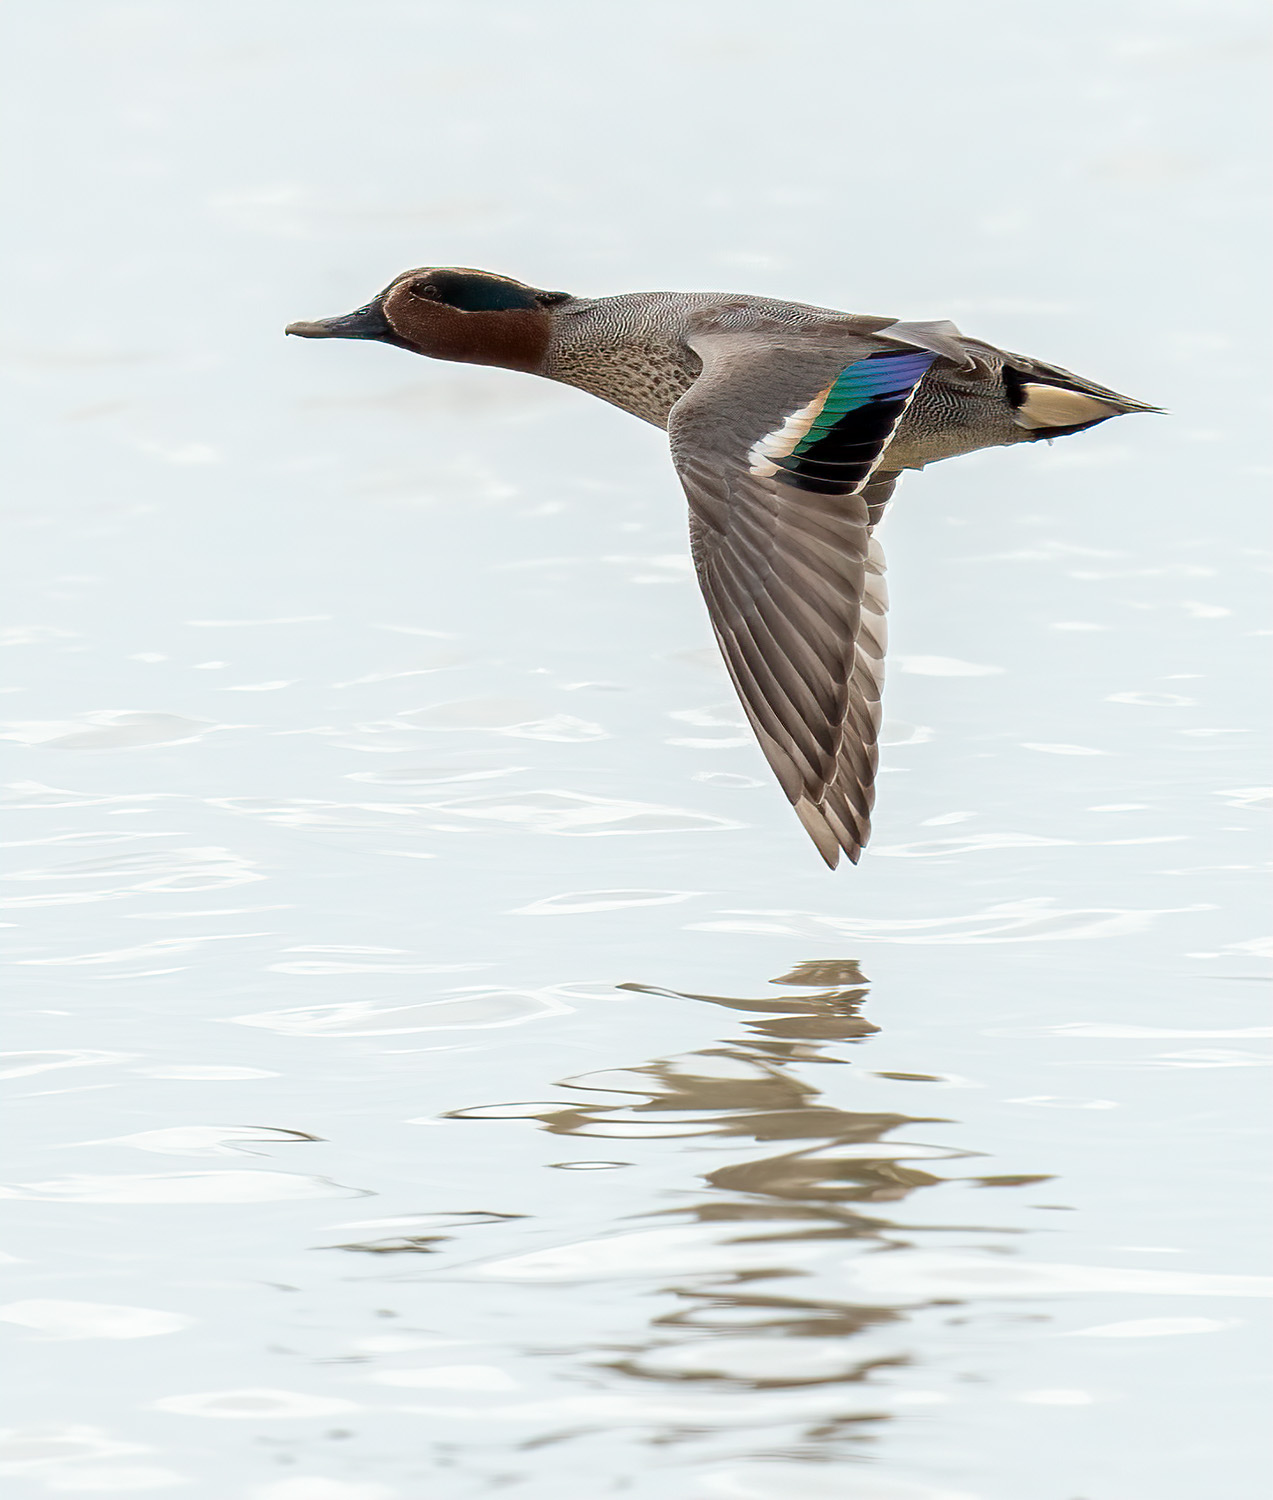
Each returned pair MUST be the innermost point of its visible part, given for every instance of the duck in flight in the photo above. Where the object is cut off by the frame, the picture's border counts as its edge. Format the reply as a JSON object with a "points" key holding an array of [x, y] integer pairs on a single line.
{"points": [[789, 427]]}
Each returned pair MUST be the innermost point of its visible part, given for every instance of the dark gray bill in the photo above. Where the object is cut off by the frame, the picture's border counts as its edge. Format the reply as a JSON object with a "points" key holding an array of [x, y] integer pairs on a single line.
{"points": [[367, 323]]}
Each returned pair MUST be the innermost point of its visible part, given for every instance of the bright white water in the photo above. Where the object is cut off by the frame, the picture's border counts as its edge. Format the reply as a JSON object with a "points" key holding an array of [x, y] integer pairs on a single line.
{"points": [[444, 1067]]}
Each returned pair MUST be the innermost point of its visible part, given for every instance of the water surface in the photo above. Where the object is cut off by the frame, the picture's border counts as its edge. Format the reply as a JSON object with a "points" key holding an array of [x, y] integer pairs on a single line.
{"points": [[444, 1066]]}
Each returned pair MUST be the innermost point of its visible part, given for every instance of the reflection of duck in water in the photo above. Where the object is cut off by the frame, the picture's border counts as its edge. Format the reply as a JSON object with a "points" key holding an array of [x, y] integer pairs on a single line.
{"points": [[766, 1218], [747, 1088], [789, 427], [722, 1306]]}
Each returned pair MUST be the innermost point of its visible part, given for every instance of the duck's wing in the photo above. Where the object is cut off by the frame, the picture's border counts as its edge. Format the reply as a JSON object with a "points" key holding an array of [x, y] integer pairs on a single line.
{"points": [[877, 494], [777, 444]]}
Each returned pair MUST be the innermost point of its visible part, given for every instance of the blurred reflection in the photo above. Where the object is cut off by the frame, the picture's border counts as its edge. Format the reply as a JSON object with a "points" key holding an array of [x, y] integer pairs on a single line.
{"points": [[831, 1174], [747, 1088], [719, 1305]]}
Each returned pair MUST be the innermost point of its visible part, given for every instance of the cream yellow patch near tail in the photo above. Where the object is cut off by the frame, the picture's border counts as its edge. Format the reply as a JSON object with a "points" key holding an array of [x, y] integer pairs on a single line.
{"points": [[1053, 406]]}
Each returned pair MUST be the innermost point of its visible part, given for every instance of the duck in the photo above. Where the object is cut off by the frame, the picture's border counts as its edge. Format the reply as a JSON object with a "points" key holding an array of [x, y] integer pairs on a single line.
{"points": [[789, 427]]}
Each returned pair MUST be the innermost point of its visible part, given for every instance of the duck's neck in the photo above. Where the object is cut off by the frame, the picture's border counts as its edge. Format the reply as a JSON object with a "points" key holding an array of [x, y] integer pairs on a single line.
{"points": [[629, 361]]}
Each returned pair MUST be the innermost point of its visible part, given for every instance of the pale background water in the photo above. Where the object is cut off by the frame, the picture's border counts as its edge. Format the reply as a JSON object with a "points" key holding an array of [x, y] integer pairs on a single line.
{"points": [[445, 1066]]}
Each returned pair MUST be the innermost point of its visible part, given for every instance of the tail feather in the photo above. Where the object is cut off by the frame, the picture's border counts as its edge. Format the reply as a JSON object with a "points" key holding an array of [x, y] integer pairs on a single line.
{"points": [[1051, 402]]}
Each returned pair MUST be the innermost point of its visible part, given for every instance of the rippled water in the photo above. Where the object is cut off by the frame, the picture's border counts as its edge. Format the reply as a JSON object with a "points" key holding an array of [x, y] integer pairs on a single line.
{"points": [[445, 1066]]}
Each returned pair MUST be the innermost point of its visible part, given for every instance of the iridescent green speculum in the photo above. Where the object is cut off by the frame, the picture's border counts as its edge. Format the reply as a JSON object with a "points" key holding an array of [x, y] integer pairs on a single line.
{"points": [[857, 417], [887, 377]]}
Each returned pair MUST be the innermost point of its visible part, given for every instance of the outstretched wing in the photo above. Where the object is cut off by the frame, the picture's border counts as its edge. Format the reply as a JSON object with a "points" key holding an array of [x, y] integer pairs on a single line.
{"points": [[777, 448]]}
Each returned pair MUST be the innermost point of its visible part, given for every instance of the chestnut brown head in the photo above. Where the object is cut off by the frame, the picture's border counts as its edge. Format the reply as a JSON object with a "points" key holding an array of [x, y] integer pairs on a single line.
{"points": [[450, 312]]}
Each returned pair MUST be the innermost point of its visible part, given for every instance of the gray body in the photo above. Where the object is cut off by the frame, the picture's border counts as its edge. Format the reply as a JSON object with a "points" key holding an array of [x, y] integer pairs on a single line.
{"points": [[634, 352]]}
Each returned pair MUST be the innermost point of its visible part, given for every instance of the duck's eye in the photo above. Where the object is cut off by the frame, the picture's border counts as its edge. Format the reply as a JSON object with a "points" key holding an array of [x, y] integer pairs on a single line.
{"points": [[425, 289]]}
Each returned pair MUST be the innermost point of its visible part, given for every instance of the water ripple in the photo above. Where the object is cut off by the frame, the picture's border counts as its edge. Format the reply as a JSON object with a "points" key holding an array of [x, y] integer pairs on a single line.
{"points": [[110, 731], [254, 1404], [188, 1187], [50, 1445], [575, 903], [926, 1275], [1036, 919], [22, 1064], [1152, 1328], [467, 1009], [92, 1320], [206, 869], [579, 815], [204, 1140], [511, 717]]}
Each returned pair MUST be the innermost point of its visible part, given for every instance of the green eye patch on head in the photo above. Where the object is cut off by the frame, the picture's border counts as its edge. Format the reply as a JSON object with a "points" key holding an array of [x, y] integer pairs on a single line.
{"points": [[470, 292]]}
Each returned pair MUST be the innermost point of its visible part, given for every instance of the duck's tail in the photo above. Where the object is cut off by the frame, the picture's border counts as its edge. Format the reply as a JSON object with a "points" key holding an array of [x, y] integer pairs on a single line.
{"points": [[1051, 402]]}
